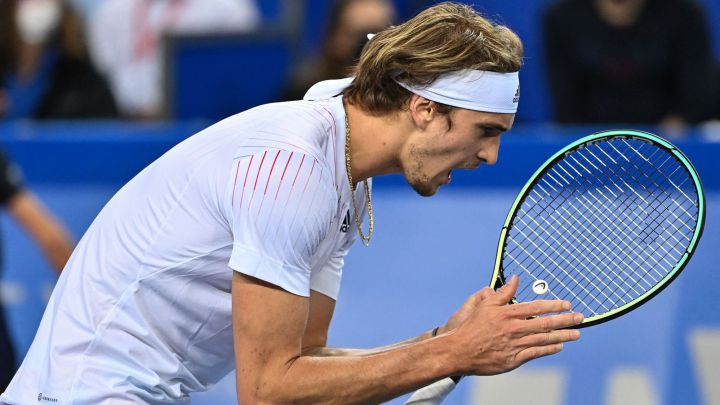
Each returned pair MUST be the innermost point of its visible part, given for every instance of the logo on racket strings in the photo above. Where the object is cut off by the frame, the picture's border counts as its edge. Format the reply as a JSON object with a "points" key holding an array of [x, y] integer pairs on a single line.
{"points": [[540, 286]]}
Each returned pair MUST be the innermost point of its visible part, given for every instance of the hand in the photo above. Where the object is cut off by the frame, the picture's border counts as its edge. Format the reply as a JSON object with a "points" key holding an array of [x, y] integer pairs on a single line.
{"points": [[464, 312], [496, 337]]}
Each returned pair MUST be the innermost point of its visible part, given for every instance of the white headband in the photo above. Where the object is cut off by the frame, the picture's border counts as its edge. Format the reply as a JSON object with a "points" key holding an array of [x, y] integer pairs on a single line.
{"points": [[470, 89], [476, 90]]}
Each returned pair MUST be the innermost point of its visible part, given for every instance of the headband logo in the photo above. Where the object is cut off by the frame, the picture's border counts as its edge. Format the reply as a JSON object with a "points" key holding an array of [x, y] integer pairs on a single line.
{"points": [[517, 95]]}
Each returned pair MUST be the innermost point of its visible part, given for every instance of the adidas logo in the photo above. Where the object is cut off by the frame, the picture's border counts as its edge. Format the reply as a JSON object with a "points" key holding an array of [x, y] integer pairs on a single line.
{"points": [[517, 95], [346, 222]]}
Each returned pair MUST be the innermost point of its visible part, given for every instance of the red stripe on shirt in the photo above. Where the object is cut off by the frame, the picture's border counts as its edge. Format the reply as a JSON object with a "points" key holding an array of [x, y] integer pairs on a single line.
{"points": [[271, 170], [232, 200], [245, 182], [298, 170], [257, 176], [283, 174], [267, 183], [309, 175]]}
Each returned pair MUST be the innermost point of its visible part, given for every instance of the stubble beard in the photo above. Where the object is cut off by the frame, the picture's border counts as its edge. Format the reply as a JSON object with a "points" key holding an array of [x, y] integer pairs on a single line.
{"points": [[415, 176]]}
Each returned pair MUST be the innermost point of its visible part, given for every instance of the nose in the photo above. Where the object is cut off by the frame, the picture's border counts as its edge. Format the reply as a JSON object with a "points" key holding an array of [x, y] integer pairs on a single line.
{"points": [[489, 152]]}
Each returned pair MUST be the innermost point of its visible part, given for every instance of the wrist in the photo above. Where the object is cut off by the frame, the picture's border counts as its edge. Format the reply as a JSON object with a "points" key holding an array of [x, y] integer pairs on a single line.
{"points": [[451, 363]]}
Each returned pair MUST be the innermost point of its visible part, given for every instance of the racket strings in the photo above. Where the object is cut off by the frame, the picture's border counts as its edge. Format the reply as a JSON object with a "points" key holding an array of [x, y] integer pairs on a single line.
{"points": [[584, 261], [660, 218], [667, 178], [585, 266], [550, 234], [562, 279], [646, 202], [570, 252], [608, 208], [543, 262], [641, 196], [625, 236]]}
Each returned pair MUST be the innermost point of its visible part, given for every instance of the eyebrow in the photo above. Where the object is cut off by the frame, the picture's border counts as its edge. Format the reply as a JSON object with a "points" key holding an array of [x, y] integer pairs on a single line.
{"points": [[497, 127]]}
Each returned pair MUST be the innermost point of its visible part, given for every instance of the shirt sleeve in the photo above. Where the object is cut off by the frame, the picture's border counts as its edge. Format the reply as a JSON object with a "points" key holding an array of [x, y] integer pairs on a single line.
{"points": [[327, 278], [281, 205], [10, 179]]}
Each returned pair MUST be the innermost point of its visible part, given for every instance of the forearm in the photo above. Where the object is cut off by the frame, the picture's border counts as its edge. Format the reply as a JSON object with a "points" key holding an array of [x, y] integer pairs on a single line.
{"points": [[341, 351], [344, 378], [57, 247], [274, 366], [50, 236]]}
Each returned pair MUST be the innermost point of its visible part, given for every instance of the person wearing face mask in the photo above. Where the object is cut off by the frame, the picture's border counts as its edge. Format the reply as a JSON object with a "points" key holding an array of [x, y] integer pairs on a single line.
{"points": [[349, 22], [44, 69], [126, 42]]}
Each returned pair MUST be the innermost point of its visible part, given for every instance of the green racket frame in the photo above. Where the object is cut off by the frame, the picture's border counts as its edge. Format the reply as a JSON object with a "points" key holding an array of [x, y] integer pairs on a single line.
{"points": [[498, 278]]}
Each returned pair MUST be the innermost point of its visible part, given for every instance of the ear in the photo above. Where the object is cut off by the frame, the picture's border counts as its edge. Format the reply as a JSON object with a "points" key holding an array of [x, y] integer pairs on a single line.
{"points": [[422, 111]]}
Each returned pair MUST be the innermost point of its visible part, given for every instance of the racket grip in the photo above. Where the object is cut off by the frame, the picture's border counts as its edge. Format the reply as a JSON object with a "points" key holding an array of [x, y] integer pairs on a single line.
{"points": [[434, 393]]}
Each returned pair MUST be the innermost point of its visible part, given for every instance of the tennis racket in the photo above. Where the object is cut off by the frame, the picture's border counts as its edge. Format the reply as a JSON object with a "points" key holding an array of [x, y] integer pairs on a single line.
{"points": [[606, 223]]}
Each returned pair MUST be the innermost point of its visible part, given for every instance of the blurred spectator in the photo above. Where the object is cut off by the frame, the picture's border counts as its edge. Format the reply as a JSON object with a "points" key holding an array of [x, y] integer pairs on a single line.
{"points": [[44, 69], [349, 23], [44, 229], [125, 41], [85, 7], [629, 61]]}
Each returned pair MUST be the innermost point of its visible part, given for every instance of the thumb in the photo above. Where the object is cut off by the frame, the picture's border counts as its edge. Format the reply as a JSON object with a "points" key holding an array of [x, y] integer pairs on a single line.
{"points": [[506, 292], [479, 297], [485, 293]]}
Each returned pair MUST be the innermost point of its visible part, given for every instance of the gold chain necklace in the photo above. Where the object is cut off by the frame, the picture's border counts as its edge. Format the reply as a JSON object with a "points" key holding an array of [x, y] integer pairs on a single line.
{"points": [[365, 238]]}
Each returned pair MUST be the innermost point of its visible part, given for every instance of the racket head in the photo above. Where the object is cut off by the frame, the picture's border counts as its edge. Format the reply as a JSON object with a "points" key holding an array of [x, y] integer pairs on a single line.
{"points": [[586, 197]]}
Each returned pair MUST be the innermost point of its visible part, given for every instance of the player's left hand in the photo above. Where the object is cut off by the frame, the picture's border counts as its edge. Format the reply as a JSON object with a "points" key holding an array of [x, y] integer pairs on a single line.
{"points": [[467, 308]]}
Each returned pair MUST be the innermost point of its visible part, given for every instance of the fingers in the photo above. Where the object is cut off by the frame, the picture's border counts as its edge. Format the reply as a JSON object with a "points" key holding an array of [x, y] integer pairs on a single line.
{"points": [[549, 342], [505, 293], [539, 307], [485, 293], [537, 351], [551, 322], [549, 338], [480, 296]]}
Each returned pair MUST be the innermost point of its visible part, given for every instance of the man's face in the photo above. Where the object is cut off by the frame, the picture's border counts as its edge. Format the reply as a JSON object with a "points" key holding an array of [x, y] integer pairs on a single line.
{"points": [[432, 153]]}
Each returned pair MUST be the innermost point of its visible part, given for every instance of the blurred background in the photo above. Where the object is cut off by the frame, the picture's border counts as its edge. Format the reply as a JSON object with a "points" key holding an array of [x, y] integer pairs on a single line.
{"points": [[91, 91]]}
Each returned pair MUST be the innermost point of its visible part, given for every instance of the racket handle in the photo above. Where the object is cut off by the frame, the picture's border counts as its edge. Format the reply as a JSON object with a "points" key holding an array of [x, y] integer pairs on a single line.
{"points": [[434, 393]]}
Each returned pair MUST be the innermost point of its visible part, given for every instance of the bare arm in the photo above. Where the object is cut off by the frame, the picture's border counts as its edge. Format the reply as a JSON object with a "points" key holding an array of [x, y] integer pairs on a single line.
{"points": [[42, 227], [270, 324], [321, 350]]}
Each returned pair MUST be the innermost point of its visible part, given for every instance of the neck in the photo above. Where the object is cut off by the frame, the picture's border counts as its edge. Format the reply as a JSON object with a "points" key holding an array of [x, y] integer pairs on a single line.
{"points": [[375, 141]]}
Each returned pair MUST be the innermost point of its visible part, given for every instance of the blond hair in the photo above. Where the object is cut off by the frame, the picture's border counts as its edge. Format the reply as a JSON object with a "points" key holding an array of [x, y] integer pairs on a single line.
{"points": [[441, 39]]}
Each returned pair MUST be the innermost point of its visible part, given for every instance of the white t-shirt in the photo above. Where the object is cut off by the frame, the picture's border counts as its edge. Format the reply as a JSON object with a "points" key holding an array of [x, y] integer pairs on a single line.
{"points": [[142, 312]]}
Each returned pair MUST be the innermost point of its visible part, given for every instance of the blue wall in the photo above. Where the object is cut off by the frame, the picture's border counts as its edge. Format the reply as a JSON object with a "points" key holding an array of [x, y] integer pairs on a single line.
{"points": [[428, 255]]}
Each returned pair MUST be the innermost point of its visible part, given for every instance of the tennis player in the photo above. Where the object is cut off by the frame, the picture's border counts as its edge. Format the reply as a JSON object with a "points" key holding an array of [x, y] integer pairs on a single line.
{"points": [[233, 241]]}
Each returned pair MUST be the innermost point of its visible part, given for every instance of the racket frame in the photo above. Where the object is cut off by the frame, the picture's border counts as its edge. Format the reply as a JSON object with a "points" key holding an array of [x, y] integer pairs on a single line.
{"points": [[498, 278]]}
